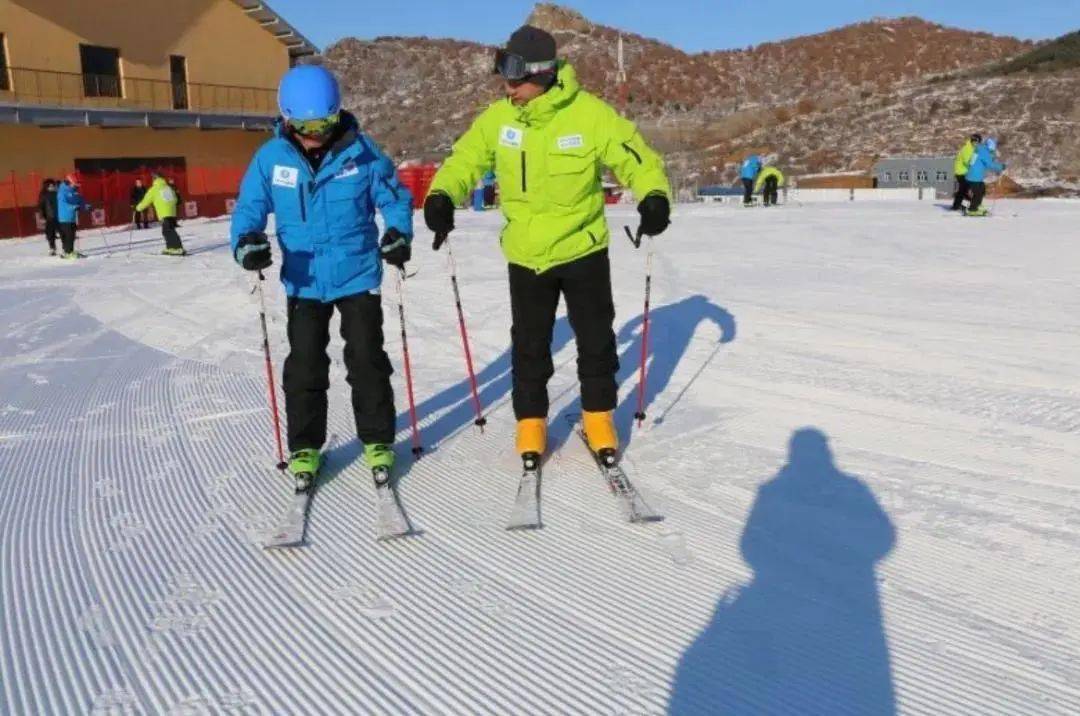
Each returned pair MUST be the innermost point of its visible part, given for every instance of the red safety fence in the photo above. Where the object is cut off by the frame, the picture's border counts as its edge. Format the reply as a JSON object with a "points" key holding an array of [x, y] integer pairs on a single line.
{"points": [[204, 191]]}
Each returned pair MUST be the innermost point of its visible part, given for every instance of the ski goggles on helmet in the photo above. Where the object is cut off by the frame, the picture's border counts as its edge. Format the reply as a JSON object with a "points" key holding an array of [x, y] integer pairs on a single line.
{"points": [[515, 68], [315, 127]]}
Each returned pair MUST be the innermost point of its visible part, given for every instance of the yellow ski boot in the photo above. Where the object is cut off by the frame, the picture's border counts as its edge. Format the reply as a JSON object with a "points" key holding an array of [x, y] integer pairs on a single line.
{"points": [[601, 435], [531, 440]]}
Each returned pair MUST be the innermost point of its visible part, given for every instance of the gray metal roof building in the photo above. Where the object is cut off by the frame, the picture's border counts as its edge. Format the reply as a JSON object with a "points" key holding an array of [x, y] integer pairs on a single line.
{"points": [[933, 172]]}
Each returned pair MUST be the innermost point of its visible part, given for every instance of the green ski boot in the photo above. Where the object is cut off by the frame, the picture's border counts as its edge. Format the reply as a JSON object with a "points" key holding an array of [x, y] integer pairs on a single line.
{"points": [[380, 458], [304, 466], [174, 252]]}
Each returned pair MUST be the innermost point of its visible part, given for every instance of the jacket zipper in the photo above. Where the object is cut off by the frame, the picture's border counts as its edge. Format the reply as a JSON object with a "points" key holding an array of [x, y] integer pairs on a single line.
{"points": [[523, 184], [627, 147], [303, 209]]}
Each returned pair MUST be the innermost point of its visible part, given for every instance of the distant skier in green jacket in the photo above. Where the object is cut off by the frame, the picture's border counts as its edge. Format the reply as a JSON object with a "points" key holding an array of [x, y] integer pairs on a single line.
{"points": [[960, 169], [547, 143], [164, 200], [769, 181]]}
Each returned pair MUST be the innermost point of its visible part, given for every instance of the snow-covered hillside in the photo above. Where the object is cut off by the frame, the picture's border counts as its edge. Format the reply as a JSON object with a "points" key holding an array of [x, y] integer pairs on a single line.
{"points": [[863, 432]]}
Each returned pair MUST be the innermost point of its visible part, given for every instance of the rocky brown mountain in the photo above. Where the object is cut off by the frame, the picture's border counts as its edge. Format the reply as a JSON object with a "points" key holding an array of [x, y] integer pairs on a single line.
{"points": [[830, 102]]}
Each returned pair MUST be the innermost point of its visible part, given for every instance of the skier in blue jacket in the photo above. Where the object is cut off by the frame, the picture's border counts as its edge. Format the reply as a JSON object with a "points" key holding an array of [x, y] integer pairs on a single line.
{"points": [[750, 168], [323, 179], [982, 161], [68, 203]]}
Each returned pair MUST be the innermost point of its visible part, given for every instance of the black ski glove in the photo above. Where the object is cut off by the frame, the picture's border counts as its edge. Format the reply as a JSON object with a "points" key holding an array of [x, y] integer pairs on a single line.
{"points": [[655, 214], [395, 248], [253, 252], [439, 217]]}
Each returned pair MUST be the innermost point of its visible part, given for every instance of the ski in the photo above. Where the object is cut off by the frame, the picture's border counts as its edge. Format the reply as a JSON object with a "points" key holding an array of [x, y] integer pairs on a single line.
{"points": [[390, 520], [633, 505], [290, 530], [526, 512]]}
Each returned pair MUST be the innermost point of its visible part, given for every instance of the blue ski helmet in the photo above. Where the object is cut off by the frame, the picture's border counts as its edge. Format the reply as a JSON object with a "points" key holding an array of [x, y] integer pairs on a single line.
{"points": [[991, 144], [308, 92]]}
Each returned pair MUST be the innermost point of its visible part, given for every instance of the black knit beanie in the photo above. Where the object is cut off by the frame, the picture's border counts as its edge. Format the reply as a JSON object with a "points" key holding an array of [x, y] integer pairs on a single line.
{"points": [[532, 44]]}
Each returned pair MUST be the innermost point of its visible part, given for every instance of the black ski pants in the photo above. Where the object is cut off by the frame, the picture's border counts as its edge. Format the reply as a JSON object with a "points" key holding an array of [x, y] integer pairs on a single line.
{"points": [[978, 192], [771, 193], [168, 231], [748, 191], [142, 218], [67, 237], [534, 298], [307, 369], [962, 189], [51, 227]]}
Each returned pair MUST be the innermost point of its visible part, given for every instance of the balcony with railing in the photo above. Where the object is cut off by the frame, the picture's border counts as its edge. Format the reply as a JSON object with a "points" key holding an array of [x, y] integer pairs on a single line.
{"points": [[47, 88]]}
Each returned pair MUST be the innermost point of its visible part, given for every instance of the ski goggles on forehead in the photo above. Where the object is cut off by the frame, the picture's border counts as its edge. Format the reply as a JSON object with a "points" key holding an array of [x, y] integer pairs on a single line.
{"points": [[514, 67], [315, 127]]}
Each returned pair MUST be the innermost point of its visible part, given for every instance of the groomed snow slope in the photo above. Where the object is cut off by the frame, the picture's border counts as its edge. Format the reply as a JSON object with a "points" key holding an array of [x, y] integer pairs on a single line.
{"points": [[863, 430]]}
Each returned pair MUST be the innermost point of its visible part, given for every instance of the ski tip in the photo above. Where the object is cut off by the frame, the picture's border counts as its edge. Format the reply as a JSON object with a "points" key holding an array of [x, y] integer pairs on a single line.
{"points": [[529, 527], [283, 542]]}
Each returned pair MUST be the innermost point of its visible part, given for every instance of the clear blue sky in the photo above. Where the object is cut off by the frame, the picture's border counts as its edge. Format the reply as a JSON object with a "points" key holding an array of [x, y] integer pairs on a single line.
{"points": [[692, 25]]}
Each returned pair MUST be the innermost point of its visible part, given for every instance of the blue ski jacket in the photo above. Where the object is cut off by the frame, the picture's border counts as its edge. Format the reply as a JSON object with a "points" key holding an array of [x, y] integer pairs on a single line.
{"points": [[325, 219], [68, 203], [982, 161], [751, 166]]}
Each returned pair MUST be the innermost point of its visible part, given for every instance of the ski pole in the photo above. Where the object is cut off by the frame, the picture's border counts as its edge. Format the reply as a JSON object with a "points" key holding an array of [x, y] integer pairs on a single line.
{"points": [[639, 416], [108, 249], [998, 189], [281, 465], [480, 421], [131, 232], [417, 448]]}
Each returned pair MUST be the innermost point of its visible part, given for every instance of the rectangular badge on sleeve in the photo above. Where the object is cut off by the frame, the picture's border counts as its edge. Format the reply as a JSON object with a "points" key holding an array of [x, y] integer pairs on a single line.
{"points": [[286, 176], [511, 136], [572, 141]]}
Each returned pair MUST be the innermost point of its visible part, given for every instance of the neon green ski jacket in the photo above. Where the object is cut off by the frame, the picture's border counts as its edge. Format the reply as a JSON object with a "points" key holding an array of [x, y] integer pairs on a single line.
{"points": [[548, 156], [963, 158], [765, 174], [162, 196]]}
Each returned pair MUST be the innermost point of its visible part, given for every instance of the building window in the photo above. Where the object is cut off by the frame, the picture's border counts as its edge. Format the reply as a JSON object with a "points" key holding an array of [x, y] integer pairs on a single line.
{"points": [[5, 81], [178, 75], [888, 176], [923, 176], [905, 176], [942, 176], [100, 71]]}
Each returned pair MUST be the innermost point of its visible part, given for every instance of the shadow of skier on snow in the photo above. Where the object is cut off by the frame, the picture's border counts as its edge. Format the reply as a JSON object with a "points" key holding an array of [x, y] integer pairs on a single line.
{"points": [[671, 331], [806, 634]]}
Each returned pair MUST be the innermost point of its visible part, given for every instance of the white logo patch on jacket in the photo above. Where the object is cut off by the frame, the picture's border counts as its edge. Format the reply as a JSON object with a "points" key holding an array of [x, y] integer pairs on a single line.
{"points": [[511, 136], [572, 141], [286, 176]]}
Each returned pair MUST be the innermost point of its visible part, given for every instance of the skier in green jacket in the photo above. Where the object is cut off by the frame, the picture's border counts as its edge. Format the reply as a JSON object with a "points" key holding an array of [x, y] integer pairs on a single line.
{"points": [[960, 169], [164, 200], [547, 142]]}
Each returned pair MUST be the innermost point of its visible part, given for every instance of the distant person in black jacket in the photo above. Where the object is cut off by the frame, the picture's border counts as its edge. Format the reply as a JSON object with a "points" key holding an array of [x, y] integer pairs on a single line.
{"points": [[141, 217], [47, 207]]}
